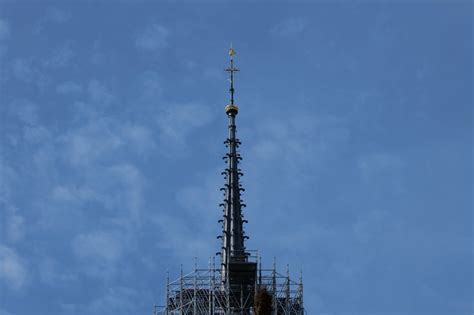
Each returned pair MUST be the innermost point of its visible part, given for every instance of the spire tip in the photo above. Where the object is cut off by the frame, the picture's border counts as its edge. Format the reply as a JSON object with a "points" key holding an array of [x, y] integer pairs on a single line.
{"points": [[231, 51], [231, 108]]}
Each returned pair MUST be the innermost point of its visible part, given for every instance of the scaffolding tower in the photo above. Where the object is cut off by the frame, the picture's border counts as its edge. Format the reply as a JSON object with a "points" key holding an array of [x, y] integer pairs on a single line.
{"points": [[200, 292]]}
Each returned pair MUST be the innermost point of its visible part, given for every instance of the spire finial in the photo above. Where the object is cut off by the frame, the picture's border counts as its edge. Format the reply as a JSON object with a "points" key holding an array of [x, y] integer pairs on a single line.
{"points": [[231, 108], [231, 51]]}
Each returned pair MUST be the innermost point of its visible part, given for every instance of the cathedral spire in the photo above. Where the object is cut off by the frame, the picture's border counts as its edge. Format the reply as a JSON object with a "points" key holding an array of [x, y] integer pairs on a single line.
{"points": [[233, 248], [232, 287]]}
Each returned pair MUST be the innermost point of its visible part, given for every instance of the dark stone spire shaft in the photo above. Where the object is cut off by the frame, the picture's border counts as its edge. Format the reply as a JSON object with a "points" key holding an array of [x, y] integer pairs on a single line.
{"points": [[233, 248]]}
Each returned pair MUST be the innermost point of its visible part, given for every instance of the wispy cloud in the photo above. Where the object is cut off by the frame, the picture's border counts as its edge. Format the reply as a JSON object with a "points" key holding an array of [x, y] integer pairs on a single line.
{"points": [[382, 169], [57, 15], [14, 225], [99, 93], [61, 56], [91, 142], [98, 246], [27, 70], [13, 270], [176, 123], [375, 163], [150, 87], [4, 29], [69, 87], [4, 312], [52, 273], [53, 15], [116, 300], [9, 177], [177, 237], [25, 110], [73, 194], [289, 27], [153, 38], [293, 142]]}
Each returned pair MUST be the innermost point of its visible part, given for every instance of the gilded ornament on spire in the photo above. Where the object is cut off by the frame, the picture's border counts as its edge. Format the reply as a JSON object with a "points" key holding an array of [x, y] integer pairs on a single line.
{"points": [[231, 51]]}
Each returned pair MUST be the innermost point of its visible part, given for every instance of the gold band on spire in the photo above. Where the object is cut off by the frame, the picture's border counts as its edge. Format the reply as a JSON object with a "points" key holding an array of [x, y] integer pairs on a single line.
{"points": [[231, 108]]}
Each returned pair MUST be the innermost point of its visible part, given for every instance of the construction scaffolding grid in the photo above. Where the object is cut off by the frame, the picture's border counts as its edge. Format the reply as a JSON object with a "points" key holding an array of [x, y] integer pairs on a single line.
{"points": [[203, 292]]}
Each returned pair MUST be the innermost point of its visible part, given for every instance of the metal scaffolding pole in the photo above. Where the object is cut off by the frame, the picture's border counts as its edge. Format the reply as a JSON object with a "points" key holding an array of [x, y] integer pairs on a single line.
{"points": [[287, 290], [213, 285], [274, 288], [300, 287], [167, 293], [181, 287], [195, 288], [241, 300], [211, 288]]}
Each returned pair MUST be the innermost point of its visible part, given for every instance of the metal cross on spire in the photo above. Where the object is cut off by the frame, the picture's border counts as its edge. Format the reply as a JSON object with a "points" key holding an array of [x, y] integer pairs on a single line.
{"points": [[231, 70]]}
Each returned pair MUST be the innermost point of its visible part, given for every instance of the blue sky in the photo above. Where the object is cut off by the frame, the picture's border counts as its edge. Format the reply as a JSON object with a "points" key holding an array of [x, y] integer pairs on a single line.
{"points": [[356, 123]]}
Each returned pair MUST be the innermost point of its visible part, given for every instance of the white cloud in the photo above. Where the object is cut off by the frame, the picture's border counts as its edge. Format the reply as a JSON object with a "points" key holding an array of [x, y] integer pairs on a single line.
{"points": [[23, 70], [69, 87], [51, 272], [8, 177], [117, 300], [3, 51], [12, 268], [4, 312], [267, 149], [61, 56], [199, 203], [131, 182], [371, 164], [98, 246], [25, 115], [154, 38], [140, 137], [150, 86], [204, 196], [57, 15], [178, 121], [4, 29], [299, 139], [27, 71], [382, 169], [116, 192], [99, 93], [52, 15], [179, 238], [289, 27], [371, 225], [73, 194], [101, 138], [25, 110], [91, 142], [14, 225], [36, 134], [100, 252]]}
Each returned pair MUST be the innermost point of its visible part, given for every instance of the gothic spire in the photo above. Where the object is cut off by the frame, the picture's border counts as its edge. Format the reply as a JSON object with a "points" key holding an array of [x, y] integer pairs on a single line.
{"points": [[233, 248]]}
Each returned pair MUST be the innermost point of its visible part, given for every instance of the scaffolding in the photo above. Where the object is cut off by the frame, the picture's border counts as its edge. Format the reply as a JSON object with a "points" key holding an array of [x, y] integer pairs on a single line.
{"points": [[204, 292]]}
